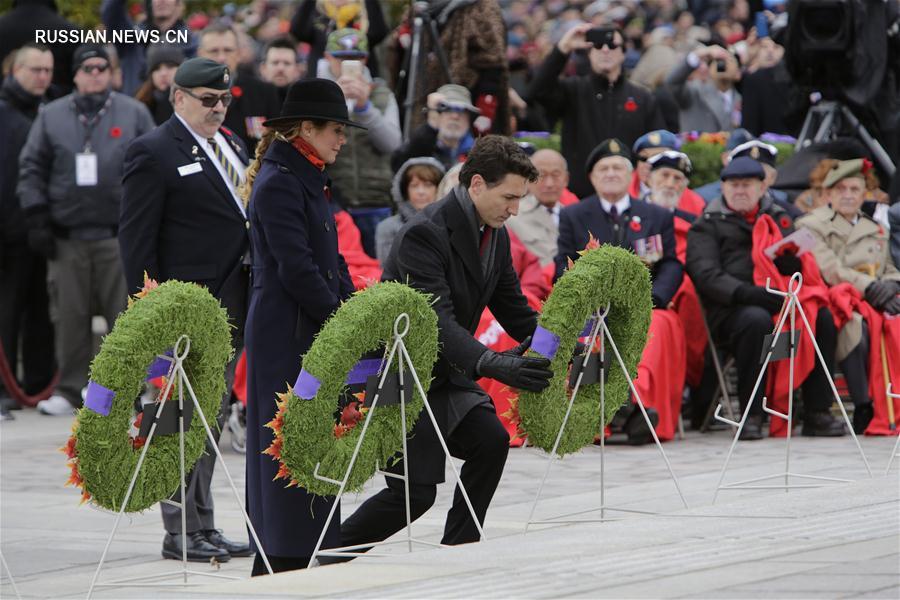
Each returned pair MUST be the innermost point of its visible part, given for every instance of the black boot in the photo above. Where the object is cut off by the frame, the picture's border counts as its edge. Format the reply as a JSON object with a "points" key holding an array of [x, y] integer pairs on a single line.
{"points": [[752, 429], [862, 416], [822, 424], [636, 427]]}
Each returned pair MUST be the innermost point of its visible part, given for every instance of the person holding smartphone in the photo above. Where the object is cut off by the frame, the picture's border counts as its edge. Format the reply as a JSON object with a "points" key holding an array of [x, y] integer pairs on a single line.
{"points": [[710, 101], [362, 176], [600, 105]]}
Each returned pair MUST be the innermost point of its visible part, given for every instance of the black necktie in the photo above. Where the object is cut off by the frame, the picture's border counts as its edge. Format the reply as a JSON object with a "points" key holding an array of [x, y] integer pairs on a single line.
{"points": [[614, 214]]}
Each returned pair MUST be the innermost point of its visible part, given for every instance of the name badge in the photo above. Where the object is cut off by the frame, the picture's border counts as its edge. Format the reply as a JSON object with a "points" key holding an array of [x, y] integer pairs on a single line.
{"points": [[189, 169], [85, 169]]}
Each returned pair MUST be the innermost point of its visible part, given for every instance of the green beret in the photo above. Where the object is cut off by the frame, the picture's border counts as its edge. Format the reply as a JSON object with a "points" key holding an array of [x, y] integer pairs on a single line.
{"points": [[203, 72], [606, 148], [844, 169]]}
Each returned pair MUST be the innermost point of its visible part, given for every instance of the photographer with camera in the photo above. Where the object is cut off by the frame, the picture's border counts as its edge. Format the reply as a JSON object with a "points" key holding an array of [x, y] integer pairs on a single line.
{"points": [[709, 102], [600, 105], [447, 135]]}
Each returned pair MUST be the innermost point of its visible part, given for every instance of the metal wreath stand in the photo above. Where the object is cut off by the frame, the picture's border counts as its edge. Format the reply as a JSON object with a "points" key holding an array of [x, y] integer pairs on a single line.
{"points": [[398, 350], [788, 310], [599, 319], [176, 373], [896, 451]]}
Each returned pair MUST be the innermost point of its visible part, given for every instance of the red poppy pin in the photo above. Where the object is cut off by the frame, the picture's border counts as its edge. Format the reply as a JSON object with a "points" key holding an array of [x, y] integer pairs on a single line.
{"points": [[635, 224], [866, 166], [631, 105], [237, 91], [115, 132], [784, 222]]}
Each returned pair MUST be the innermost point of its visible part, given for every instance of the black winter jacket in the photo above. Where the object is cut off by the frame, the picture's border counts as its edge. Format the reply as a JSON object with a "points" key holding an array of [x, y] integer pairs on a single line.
{"points": [[593, 109], [719, 257]]}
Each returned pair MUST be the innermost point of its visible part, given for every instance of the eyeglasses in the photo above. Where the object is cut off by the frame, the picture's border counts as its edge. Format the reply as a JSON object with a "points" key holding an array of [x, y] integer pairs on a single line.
{"points": [[446, 108], [90, 69], [611, 45], [210, 100]]}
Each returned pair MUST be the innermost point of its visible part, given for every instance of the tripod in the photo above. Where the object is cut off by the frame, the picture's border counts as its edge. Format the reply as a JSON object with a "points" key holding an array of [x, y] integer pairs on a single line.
{"points": [[422, 22], [824, 122]]}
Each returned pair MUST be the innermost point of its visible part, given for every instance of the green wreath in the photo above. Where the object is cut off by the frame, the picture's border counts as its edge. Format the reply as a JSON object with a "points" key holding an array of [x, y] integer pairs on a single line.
{"points": [[607, 274], [306, 433], [102, 454]]}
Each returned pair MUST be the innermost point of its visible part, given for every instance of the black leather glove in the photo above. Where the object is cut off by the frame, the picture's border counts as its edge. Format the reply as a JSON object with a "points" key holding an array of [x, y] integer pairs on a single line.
{"points": [[40, 235], [880, 292], [892, 306], [756, 295], [788, 264], [530, 373]]}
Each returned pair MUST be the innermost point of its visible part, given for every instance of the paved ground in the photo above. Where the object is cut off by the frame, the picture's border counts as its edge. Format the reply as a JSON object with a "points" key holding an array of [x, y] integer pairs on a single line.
{"points": [[839, 541]]}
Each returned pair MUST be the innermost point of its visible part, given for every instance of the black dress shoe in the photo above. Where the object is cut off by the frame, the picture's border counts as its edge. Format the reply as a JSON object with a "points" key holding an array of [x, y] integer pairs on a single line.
{"points": [[636, 427], [822, 425], [215, 537], [752, 429], [862, 416], [198, 548]]}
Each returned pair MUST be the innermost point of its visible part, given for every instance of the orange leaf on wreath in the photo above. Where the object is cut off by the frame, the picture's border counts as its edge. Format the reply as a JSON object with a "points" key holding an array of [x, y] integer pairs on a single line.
{"points": [[69, 448], [282, 472]]}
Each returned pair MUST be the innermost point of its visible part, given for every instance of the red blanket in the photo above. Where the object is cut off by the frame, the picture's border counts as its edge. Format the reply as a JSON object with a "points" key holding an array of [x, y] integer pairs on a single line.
{"points": [[661, 371], [813, 295], [364, 270], [846, 300], [686, 303]]}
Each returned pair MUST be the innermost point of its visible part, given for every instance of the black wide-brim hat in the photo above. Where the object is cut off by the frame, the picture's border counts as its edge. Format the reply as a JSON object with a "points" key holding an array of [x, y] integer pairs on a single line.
{"points": [[314, 99]]}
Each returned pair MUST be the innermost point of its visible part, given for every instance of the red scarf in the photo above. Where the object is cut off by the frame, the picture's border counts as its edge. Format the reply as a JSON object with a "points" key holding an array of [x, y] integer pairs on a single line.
{"points": [[308, 152], [845, 300], [813, 295]]}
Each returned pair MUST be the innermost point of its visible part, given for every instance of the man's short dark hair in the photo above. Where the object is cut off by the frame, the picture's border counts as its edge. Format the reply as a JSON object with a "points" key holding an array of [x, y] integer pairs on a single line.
{"points": [[285, 42], [218, 27], [494, 157]]}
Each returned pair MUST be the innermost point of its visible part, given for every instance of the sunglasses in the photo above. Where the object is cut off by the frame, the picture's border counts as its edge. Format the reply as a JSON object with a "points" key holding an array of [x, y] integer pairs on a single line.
{"points": [[210, 100], [611, 45], [445, 108], [89, 69]]}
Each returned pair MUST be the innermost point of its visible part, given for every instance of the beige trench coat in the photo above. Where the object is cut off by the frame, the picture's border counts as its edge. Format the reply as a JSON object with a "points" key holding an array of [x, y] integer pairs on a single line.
{"points": [[853, 253]]}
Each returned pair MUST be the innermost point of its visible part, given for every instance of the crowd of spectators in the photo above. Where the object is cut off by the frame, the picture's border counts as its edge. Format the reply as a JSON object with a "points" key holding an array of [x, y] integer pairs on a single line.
{"points": [[620, 84]]}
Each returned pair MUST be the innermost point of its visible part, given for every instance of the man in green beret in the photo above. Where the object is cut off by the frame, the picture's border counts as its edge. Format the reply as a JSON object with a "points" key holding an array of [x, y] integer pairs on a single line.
{"points": [[182, 218]]}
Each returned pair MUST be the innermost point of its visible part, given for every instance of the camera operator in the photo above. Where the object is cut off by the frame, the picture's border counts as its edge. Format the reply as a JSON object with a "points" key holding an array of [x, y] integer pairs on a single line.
{"points": [[707, 103], [600, 105]]}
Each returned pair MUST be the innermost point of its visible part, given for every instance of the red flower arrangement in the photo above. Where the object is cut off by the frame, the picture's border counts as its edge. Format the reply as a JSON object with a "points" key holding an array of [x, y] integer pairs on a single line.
{"points": [[630, 105], [237, 91], [115, 132]]}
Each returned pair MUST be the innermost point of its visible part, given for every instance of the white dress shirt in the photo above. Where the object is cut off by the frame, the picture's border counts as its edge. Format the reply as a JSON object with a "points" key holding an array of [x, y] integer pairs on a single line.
{"points": [[229, 153]]}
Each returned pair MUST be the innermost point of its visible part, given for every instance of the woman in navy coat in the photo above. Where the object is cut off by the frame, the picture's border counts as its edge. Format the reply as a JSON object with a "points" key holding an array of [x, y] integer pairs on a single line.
{"points": [[299, 279]]}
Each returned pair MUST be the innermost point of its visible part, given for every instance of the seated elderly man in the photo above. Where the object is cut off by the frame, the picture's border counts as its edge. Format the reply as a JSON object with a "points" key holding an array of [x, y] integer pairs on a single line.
{"points": [[852, 248], [668, 179], [613, 217], [537, 223], [646, 147], [740, 312]]}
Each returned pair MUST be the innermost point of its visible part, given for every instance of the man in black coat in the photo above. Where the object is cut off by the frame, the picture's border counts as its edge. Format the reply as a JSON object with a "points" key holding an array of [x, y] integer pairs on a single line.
{"points": [[611, 216], [182, 218], [597, 106], [254, 99], [457, 249], [20, 25], [739, 312], [24, 302]]}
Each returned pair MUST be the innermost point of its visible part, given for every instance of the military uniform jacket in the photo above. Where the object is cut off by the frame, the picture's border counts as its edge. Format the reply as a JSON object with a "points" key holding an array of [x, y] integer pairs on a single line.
{"points": [[186, 227], [578, 222], [846, 252]]}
